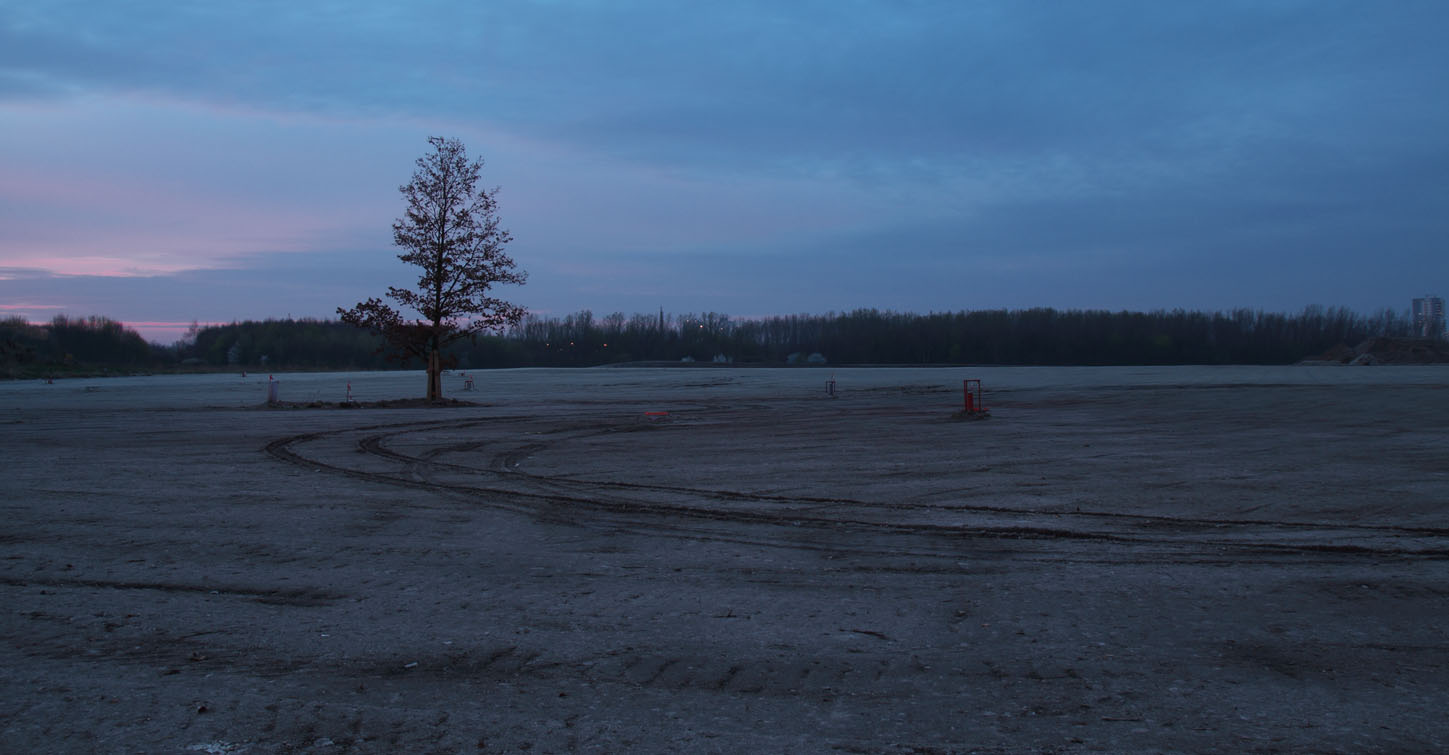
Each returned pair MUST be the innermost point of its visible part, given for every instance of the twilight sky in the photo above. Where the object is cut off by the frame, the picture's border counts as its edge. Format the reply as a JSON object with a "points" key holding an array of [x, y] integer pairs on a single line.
{"points": [[165, 162]]}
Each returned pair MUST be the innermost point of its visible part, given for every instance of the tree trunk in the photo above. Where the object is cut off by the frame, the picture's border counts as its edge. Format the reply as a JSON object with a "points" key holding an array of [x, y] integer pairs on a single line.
{"points": [[435, 376]]}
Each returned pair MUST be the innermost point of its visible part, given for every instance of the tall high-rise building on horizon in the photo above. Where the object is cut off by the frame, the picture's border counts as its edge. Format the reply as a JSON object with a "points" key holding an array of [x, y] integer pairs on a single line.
{"points": [[1428, 314]]}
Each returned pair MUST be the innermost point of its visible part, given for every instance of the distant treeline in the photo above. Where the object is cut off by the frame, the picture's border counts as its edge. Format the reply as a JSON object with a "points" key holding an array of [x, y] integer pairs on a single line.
{"points": [[71, 344], [867, 336]]}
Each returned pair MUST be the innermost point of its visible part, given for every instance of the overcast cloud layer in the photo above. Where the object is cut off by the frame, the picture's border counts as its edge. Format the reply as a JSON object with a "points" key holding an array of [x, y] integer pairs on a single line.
{"points": [[240, 160]]}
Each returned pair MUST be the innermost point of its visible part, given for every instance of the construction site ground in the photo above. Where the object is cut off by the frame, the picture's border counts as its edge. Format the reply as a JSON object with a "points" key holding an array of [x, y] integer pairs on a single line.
{"points": [[1234, 559]]}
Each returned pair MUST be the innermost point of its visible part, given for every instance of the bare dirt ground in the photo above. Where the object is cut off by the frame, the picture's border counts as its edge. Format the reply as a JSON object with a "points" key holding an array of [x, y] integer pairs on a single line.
{"points": [[1172, 559]]}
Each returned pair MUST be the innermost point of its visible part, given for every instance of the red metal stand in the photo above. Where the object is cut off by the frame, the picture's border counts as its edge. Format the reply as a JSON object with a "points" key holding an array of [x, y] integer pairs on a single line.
{"points": [[971, 391]]}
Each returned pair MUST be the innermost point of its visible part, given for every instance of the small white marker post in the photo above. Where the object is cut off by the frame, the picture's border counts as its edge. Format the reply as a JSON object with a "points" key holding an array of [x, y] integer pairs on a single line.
{"points": [[272, 389]]}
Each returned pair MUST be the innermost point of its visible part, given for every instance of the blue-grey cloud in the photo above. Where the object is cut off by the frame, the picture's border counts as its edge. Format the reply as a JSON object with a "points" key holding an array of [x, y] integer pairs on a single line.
{"points": [[765, 83], [1002, 153]]}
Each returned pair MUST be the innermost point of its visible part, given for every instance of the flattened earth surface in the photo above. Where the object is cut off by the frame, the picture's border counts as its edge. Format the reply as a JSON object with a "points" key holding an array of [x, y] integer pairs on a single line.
{"points": [[729, 560]]}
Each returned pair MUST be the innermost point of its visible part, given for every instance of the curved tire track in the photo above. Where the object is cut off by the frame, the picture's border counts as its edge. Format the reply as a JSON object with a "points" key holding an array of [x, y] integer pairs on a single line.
{"points": [[638, 506]]}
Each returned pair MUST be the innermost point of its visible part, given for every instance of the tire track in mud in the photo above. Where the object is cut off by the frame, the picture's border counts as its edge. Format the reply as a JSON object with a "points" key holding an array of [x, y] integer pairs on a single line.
{"points": [[507, 461], [776, 673], [775, 518], [273, 595]]}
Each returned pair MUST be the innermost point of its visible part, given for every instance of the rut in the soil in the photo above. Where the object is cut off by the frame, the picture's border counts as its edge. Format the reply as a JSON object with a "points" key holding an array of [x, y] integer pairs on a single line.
{"points": [[501, 483]]}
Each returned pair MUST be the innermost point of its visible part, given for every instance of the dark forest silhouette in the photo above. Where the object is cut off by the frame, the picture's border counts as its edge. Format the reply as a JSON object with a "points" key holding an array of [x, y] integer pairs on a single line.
{"points": [[1018, 337]]}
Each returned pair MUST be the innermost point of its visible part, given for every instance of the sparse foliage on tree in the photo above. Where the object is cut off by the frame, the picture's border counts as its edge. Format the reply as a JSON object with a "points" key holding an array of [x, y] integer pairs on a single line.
{"points": [[451, 232]]}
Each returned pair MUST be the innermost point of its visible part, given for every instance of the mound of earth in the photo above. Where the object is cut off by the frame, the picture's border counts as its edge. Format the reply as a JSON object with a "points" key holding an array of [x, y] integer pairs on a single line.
{"points": [[1385, 350]]}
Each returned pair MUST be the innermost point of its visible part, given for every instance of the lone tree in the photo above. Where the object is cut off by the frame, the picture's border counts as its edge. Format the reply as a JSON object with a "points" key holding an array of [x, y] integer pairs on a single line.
{"points": [[451, 232]]}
